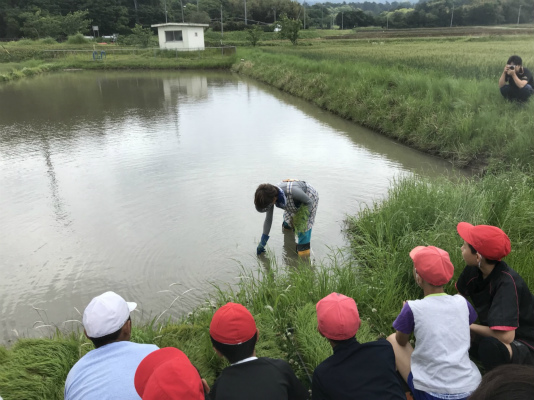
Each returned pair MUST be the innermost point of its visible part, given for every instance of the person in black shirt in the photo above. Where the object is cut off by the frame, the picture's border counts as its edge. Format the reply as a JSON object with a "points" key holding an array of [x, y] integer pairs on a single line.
{"points": [[355, 370], [502, 299], [516, 82], [233, 335]]}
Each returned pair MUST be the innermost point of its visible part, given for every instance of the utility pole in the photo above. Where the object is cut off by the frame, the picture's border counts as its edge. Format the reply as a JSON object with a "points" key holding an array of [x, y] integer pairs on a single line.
{"points": [[274, 9], [519, 14], [165, 5], [222, 30], [342, 19], [452, 14], [136, 16], [245, 12], [303, 6], [321, 16], [197, 5], [182, 7]]}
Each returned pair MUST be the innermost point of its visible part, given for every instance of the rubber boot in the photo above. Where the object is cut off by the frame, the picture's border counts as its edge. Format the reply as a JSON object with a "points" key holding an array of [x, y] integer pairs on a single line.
{"points": [[285, 225], [303, 250]]}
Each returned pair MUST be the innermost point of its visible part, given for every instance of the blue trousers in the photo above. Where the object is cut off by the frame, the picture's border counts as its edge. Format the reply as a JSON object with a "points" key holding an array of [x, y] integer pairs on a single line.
{"points": [[513, 93]]}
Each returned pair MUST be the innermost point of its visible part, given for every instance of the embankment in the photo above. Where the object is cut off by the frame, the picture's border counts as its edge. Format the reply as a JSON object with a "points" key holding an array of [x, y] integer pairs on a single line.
{"points": [[459, 118]]}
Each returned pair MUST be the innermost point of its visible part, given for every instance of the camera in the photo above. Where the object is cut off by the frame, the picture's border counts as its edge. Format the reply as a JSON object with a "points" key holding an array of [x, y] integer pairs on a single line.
{"points": [[511, 67]]}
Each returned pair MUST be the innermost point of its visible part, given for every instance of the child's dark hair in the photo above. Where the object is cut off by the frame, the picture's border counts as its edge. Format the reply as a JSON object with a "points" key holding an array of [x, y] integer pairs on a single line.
{"points": [[473, 251], [236, 352], [336, 342], [110, 338], [263, 198], [516, 60], [507, 382]]}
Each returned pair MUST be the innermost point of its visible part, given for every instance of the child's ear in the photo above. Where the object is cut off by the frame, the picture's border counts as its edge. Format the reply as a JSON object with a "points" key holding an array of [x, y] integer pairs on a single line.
{"points": [[257, 335], [418, 279]]}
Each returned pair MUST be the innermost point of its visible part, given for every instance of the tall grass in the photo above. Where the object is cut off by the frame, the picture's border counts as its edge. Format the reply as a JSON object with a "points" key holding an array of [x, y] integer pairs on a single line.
{"points": [[461, 119], [377, 274]]}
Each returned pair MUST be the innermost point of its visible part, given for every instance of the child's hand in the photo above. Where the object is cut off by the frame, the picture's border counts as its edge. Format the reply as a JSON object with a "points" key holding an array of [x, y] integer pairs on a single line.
{"points": [[404, 303]]}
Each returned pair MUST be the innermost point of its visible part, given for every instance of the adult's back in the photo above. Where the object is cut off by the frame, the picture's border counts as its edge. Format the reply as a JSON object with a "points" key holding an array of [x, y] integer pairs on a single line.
{"points": [[107, 372]]}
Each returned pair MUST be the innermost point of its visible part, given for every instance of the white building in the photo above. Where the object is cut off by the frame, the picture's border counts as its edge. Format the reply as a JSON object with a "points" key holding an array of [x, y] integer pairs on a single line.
{"points": [[181, 36]]}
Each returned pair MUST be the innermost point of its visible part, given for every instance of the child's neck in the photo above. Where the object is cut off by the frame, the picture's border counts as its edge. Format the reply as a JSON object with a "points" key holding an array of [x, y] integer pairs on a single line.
{"points": [[486, 269], [428, 289]]}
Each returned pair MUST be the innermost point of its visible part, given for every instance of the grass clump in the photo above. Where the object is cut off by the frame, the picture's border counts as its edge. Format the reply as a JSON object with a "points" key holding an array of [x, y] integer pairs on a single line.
{"points": [[48, 41], [77, 39], [36, 369]]}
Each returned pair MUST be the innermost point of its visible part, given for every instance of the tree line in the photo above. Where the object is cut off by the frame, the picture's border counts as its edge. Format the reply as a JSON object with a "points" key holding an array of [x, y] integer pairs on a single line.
{"points": [[60, 18]]}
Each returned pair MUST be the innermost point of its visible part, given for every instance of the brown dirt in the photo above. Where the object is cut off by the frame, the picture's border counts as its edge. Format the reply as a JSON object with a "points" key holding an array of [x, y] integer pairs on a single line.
{"points": [[433, 32]]}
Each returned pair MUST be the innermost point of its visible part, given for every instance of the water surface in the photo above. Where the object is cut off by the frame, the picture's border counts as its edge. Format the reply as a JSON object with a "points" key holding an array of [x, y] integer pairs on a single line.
{"points": [[143, 183]]}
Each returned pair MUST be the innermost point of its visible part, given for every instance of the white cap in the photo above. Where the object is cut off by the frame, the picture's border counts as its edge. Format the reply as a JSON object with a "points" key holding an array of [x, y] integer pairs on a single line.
{"points": [[106, 314]]}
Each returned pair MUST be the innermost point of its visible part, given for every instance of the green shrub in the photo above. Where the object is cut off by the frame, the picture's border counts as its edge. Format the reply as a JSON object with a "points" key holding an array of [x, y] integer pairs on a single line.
{"points": [[77, 39], [26, 42], [48, 40]]}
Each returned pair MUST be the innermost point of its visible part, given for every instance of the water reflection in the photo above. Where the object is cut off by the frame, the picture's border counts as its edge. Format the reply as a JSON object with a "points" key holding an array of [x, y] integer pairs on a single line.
{"points": [[142, 183]]}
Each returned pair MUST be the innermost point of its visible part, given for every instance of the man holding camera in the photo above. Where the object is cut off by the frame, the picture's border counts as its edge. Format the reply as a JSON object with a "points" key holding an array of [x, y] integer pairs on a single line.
{"points": [[516, 82]]}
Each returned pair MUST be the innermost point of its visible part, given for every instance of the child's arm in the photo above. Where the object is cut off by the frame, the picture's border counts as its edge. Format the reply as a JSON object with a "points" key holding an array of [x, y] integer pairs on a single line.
{"points": [[505, 337], [404, 325], [402, 338]]}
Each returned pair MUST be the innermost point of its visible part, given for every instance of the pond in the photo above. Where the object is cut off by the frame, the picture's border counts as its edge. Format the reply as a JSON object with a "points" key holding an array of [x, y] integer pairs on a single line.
{"points": [[143, 183]]}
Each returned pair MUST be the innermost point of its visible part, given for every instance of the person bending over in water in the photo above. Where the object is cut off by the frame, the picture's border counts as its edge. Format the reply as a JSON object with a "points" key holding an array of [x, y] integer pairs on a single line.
{"points": [[289, 195]]}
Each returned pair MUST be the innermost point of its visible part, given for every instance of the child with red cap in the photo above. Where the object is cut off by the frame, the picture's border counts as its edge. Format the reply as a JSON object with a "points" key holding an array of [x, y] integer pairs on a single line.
{"points": [[355, 370], [168, 374], [439, 367], [501, 297], [234, 334]]}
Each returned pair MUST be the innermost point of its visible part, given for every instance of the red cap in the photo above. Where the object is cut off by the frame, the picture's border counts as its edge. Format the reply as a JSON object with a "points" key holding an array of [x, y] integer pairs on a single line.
{"points": [[432, 264], [167, 374], [489, 241], [232, 324], [337, 317]]}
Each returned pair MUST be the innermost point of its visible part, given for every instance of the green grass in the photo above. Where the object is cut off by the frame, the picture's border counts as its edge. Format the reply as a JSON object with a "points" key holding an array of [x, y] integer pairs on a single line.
{"points": [[131, 59], [438, 96]]}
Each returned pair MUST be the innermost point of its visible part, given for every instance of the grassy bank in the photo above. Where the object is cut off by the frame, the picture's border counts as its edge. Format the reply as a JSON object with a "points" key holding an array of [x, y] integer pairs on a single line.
{"points": [[439, 96], [377, 274], [26, 65]]}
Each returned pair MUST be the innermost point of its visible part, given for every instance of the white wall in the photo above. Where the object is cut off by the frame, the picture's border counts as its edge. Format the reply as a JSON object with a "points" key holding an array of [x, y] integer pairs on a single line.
{"points": [[193, 38]]}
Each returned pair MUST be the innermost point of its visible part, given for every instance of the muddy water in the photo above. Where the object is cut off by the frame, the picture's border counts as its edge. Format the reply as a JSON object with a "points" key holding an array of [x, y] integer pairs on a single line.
{"points": [[143, 183]]}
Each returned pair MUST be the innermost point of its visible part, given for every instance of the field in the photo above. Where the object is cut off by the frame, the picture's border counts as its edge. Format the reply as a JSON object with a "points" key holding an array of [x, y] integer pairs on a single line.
{"points": [[436, 94]]}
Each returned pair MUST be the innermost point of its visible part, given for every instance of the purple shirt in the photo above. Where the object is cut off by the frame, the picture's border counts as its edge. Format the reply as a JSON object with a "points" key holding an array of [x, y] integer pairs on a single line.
{"points": [[405, 321]]}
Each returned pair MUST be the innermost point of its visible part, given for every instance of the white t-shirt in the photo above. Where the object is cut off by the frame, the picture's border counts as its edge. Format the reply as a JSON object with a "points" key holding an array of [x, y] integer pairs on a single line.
{"points": [[107, 373], [440, 362]]}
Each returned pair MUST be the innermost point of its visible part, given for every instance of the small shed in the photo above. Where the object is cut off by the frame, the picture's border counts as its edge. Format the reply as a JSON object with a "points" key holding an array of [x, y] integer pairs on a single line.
{"points": [[181, 36]]}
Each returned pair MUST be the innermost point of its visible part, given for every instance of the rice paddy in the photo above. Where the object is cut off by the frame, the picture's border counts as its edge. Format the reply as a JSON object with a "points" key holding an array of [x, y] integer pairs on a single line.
{"points": [[440, 96]]}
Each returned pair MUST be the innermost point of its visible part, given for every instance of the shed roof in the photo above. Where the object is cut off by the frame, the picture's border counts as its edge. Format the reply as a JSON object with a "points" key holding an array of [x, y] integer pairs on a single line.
{"points": [[181, 24]]}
